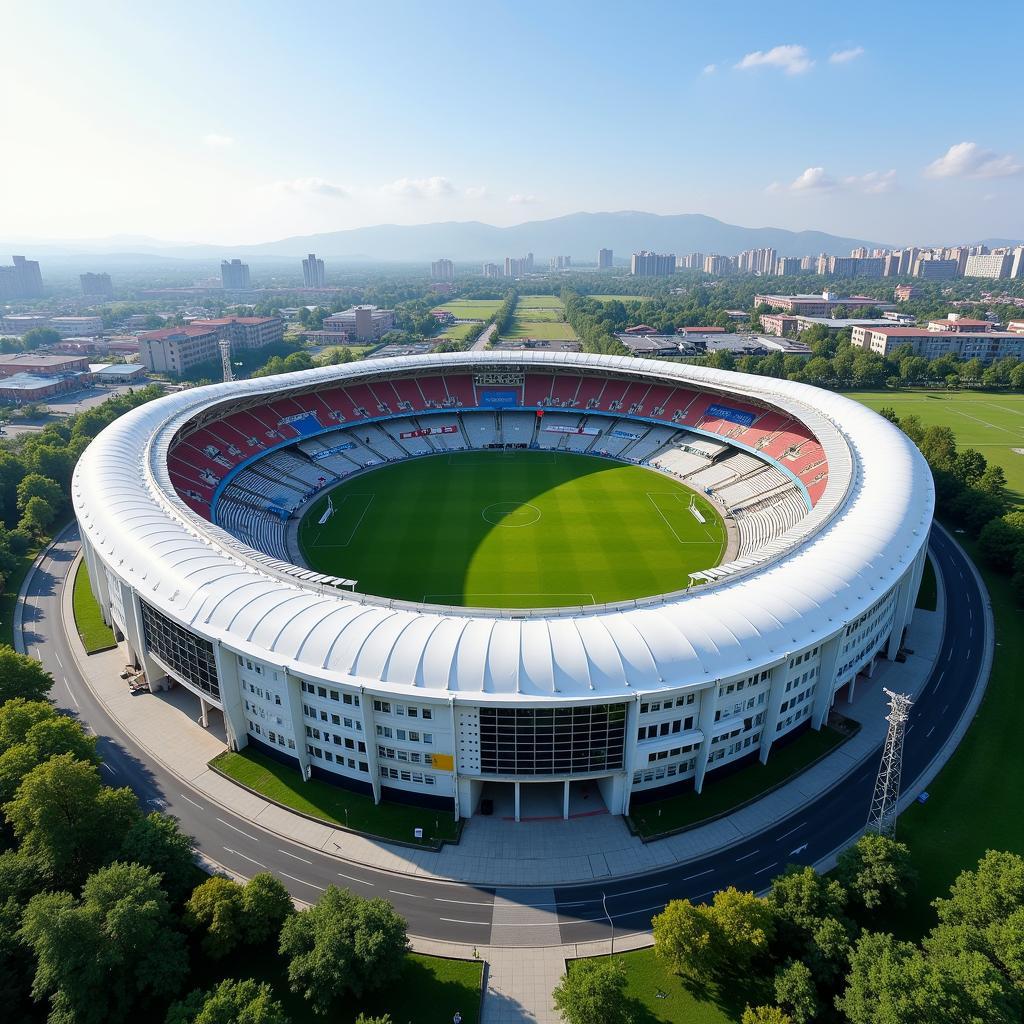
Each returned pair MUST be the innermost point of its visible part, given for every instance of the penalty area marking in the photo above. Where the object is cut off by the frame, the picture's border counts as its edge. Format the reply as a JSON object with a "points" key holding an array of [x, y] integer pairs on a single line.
{"points": [[355, 526], [679, 498], [522, 512]]}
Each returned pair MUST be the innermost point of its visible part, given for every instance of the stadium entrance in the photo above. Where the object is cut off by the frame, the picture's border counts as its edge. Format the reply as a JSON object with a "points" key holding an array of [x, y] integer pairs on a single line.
{"points": [[542, 801]]}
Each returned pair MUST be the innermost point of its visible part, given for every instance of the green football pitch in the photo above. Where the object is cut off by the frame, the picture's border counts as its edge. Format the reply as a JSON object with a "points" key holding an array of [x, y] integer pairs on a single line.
{"points": [[523, 529]]}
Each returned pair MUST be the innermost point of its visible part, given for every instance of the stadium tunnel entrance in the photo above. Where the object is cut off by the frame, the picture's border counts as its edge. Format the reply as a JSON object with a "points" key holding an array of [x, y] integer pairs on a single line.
{"points": [[542, 801]]}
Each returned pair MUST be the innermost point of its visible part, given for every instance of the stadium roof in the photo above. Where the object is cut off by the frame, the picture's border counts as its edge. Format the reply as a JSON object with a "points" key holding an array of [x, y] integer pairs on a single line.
{"points": [[847, 552]]}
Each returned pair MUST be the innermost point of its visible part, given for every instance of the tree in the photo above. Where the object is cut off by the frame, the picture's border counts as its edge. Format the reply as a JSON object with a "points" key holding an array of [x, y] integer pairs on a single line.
{"points": [[22, 676], [66, 818], [876, 872], [998, 544], [593, 992], [215, 910], [230, 1002], [746, 925], [38, 516], [800, 900], [342, 945], [31, 732], [765, 1015], [114, 951], [383, 1019], [266, 906], [35, 485], [796, 993], [686, 939], [968, 466], [156, 842]]}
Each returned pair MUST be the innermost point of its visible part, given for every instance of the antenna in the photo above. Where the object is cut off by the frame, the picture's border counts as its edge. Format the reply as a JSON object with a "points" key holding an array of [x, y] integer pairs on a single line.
{"points": [[225, 360], [882, 818]]}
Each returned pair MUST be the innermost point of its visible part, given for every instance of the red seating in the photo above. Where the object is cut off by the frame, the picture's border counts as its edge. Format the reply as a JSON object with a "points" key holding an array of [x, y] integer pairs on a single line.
{"points": [[537, 389], [564, 391], [613, 392], [634, 395], [433, 390], [588, 389], [408, 391], [460, 387]]}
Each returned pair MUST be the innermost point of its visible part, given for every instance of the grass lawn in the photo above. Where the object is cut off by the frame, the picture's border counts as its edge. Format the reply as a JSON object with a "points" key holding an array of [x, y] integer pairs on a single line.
{"points": [[9, 597], [457, 331], [660, 997], [619, 298], [542, 330], [527, 529], [471, 309], [283, 784], [429, 991], [975, 803], [721, 795], [540, 302], [992, 422], [96, 635]]}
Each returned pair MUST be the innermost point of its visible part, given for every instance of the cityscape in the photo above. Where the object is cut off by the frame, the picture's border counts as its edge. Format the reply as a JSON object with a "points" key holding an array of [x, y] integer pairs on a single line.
{"points": [[535, 555]]}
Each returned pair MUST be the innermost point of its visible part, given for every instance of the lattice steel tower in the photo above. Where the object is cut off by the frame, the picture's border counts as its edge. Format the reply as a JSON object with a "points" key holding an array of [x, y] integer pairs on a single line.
{"points": [[225, 360], [882, 818]]}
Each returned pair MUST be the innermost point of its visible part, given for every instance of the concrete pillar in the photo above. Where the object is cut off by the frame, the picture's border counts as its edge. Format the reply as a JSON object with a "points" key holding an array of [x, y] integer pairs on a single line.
{"points": [[137, 638], [776, 695], [516, 786], [629, 755], [455, 759], [204, 717], [825, 690], [370, 732], [565, 800], [706, 724], [849, 694], [293, 687], [235, 724]]}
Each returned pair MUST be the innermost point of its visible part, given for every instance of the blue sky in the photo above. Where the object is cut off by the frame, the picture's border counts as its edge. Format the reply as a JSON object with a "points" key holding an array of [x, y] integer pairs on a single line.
{"points": [[244, 122]]}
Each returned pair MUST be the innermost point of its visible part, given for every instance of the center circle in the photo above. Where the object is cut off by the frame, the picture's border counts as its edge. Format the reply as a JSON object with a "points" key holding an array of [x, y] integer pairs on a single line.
{"points": [[511, 513]]}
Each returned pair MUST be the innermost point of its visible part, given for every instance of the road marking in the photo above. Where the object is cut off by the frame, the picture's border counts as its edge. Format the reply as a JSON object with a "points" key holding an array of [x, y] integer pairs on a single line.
{"points": [[352, 878], [929, 732], [38, 655], [103, 764], [59, 662], [72, 692], [633, 892], [411, 895], [295, 856], [752, 853], [243, 856], [470, 903], [945, 707], [312, 885], [191, 801], [238, 830], [799, 849], [791, 831], [698, 875], [484, 924], [774, 864]]}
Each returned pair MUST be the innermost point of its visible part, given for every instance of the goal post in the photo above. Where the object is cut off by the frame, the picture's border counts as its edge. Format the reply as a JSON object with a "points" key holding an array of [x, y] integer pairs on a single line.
{"points": [[328, 512], [694, 511]]}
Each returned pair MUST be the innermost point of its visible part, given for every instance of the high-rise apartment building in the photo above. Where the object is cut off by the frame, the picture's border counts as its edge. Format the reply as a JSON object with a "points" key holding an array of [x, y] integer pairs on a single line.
{"points": [[313, 275], [652, 264], [234, 275], [994, 265], [22, 280], [490, 270], [560, 263], [96, 284], [786, 265], [1017, 263], [442, 270], [604, 259]]}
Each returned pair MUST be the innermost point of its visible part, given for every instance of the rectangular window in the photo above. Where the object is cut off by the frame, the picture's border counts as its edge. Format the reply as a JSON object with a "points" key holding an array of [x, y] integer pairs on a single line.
{"points": [[190, 656]]}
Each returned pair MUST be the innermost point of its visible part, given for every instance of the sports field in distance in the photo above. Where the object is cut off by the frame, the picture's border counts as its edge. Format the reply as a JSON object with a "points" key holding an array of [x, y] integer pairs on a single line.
{"points": [[540, 317], [471, 309], [991, 422], [524, 529]]}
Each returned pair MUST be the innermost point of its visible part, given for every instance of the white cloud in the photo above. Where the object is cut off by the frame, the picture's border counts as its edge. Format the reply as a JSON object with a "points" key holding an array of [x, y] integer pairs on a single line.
{"points": [[814, 179], [874, 183], [709, 69], [477, 192], [521, 199], [792, 59], [969, 160], [215, 140], [435, 187], [817, 180], [312, 187], [845, 56]]}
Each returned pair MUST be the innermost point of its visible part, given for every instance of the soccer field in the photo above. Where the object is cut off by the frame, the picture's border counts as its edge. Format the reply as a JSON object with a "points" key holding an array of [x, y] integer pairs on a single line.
{"points": [[991, 422], [523, 529]]}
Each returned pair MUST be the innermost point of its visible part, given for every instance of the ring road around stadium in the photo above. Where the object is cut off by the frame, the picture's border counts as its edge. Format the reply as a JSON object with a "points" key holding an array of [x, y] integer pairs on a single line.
{"points": [[218, 525]]}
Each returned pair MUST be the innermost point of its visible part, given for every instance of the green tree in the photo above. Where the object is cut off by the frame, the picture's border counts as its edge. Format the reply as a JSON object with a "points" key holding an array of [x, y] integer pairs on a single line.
{"points": [[22, 676], [796, 992], [765, 1015], [157, 842], [65, 817], [266, 906], [39, 337], [998, 544], [39, 516], [230, 1002], [801, 900], [687, 940], [106, 956], [343, 945], [594, 992], [746, 925], [876, 872], [215, 910], [35, 485]]}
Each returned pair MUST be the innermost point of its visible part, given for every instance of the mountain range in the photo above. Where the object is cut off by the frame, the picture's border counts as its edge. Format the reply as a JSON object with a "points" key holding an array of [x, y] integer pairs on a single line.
{"points": [[578, 235]]}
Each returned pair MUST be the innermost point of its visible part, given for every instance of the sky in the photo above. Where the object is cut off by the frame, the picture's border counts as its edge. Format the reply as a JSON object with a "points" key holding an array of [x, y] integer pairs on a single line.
{"points": [[236, 123]]}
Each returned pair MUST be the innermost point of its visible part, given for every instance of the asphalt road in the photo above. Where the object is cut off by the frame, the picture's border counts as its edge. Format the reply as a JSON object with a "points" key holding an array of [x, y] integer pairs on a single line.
{"points": [[457, 912]]}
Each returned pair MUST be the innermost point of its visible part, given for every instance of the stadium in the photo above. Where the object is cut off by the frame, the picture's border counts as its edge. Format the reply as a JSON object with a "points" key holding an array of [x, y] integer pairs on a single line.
{"points": [[461, 578]]}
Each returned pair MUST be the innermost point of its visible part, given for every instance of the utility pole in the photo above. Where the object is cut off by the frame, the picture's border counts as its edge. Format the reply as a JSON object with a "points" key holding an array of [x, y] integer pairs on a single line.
{"points": [[882, 818]]}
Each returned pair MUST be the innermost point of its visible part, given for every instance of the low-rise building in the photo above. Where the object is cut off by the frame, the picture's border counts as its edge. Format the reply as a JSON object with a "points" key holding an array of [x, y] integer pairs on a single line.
{"points": [[22, 388], [961, 325], [366, 323], [76, 326], [118, 373], [177, 349], [779, 324], [987, 346], [41, 364], [246, 332], [19, 324], [823, 304]]}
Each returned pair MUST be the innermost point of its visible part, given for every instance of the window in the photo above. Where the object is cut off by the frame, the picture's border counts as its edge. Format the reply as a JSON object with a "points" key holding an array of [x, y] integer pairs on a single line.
{"points": [[383, 706], [188, 655], [427, 713]]}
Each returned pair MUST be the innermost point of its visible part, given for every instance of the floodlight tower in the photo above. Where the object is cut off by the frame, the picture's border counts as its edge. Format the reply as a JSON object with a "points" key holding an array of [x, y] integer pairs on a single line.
{"points": [[882, 818], [225, 360]]}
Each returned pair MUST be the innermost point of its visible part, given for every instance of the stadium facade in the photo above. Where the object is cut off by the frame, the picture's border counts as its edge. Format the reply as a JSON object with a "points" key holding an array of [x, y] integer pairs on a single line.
{"points": [[187, 509]]}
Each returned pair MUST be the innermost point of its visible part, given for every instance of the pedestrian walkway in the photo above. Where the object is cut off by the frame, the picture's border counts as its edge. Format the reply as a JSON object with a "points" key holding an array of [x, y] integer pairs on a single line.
{"points": [[493, 851]]}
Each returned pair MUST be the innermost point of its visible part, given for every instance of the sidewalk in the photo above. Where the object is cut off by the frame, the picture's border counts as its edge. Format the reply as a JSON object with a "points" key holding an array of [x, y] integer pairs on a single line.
{"points": [[497, 852]]}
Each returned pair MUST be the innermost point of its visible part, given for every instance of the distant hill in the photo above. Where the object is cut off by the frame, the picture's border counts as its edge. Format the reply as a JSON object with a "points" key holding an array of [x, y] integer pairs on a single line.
{"points": [[578, 235]]}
